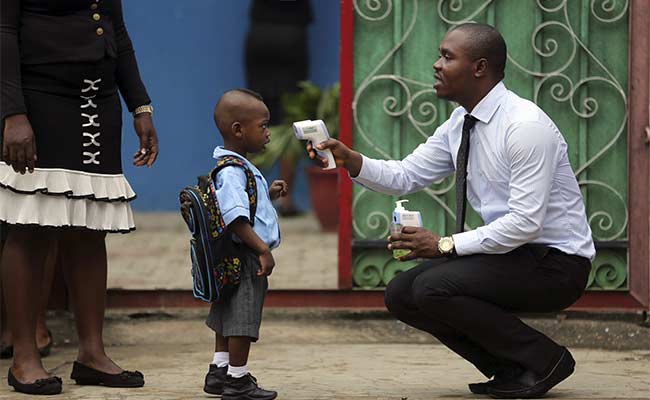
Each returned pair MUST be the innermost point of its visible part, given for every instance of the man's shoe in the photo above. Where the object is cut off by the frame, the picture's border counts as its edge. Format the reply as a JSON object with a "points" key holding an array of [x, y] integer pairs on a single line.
{"points": [[245, 388], [528, 386], [84, 375], [47, 386], [215, 379], [504, 375]]}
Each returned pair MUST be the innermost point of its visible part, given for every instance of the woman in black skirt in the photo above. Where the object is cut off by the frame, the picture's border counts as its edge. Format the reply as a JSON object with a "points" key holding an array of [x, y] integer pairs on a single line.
{"points": [[61, 175]]}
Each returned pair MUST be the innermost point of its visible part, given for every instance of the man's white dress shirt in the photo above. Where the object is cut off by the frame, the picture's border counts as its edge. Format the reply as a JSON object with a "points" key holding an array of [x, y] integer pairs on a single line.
{"points": [[518, 177]]}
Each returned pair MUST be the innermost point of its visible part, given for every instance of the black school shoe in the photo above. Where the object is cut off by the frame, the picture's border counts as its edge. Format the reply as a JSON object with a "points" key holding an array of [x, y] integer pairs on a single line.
{"points": [[502, 376], [215, 379], [47, 386], [245, 388], [529, 386], [84, 375]]}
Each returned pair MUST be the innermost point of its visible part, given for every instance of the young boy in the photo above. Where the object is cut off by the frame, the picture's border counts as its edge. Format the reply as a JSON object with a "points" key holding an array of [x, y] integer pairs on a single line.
{"points": [[242, 119]]}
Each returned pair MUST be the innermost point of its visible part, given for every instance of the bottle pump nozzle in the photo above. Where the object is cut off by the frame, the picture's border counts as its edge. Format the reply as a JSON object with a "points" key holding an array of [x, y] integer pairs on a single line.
{"points": [[399, 206]]}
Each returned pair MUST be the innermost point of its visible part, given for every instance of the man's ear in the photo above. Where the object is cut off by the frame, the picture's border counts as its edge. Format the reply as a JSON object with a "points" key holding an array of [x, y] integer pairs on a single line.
{"points": [[480, 68], [236, 129]]}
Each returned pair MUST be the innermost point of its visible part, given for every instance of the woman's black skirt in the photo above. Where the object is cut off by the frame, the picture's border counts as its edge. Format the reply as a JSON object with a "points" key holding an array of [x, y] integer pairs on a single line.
{"points": [[76, 115]]}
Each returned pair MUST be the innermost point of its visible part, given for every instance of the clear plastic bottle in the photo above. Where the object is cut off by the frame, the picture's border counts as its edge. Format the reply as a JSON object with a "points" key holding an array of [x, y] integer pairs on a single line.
{"points": [[403, 217]]}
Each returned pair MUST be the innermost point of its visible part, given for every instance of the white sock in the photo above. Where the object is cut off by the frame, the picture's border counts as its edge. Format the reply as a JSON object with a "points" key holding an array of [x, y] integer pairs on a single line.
{"points": [[221, 358], [237, 372]]}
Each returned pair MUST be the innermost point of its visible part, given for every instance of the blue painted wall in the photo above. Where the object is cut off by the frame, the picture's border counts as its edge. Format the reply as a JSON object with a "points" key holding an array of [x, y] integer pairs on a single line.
{"points": [[189, 53]]}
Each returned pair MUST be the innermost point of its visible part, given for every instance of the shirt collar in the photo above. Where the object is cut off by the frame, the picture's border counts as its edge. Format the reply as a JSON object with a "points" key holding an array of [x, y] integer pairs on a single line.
{"points": [[488, 105], [219, 151]]}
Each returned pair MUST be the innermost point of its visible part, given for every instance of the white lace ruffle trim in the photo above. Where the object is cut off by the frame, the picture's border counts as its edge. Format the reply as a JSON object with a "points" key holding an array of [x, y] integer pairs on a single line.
{"points": [[69, 183], [61, 211]]}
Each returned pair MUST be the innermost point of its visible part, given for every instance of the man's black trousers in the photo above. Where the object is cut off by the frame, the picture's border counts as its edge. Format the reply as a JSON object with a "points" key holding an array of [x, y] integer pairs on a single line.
{"points": [[469, 302]]}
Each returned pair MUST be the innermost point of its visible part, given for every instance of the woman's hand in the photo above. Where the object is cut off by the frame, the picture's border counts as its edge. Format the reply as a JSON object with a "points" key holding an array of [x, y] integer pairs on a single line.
{"points": [[148, 151], [19, 144], [421, 242], [278, 188]]}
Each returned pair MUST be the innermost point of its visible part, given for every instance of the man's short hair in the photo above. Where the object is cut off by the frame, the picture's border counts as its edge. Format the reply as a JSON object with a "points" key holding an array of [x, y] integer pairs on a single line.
{"points": [[486, 42]]}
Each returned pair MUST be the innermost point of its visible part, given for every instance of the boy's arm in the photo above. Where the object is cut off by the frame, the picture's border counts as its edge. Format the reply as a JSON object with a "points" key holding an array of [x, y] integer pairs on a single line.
{"points": [[242, 228]]}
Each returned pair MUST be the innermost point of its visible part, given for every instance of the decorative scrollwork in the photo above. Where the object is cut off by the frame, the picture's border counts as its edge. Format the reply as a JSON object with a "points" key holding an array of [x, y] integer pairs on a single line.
{"points": [[457, 6], [608, 272], [374, 6], [368, 271], [608, 7]]}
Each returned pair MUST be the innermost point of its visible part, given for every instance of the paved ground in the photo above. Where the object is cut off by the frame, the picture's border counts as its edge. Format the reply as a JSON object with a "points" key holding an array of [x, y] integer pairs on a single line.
{"points": [[156, 255], [339, 355]]}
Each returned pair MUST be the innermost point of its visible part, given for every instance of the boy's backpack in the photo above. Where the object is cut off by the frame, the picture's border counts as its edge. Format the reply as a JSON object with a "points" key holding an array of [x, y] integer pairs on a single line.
{"points": [[216, 259]]}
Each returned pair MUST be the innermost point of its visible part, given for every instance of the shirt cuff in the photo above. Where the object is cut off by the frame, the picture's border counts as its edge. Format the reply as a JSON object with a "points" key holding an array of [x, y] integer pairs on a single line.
{"points": [[367, 173], [234, 213], [467, 243]]}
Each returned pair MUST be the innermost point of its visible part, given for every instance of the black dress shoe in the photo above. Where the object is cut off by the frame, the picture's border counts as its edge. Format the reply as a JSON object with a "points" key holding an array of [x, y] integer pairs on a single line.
{"points": [[47, 386], [215, 379], [6, 351], [529, 386], [503, 375], [245, 388], [84, 375]]}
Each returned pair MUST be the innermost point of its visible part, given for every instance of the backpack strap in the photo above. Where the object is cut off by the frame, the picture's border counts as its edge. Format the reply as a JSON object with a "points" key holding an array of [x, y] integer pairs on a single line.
{"points": [[251, 185]]}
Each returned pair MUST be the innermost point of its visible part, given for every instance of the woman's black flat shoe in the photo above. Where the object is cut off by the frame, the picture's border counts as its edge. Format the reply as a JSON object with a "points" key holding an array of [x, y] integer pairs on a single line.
{"points": [[84, 375], [47, 386], [45, 350], [6, 351]]}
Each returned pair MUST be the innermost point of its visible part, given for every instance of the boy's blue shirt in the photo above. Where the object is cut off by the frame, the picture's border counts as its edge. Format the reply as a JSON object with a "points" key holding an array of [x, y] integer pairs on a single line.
{"points": [[230, 183]]}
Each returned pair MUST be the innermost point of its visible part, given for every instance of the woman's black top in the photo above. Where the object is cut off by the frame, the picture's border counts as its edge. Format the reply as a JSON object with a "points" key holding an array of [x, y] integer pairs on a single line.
{"points": [[62, 31]]}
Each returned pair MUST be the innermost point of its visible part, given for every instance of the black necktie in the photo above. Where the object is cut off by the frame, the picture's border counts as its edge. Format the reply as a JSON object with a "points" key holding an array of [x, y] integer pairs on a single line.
{"points": [[461, 173]]}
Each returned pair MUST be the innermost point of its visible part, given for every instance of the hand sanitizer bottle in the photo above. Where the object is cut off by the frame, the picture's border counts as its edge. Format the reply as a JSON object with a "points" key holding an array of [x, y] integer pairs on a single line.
{"points": [[403, 217]]}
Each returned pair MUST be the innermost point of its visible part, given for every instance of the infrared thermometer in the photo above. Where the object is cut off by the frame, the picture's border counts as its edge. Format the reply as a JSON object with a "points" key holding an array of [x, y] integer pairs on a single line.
{"points": [[315, 132]]}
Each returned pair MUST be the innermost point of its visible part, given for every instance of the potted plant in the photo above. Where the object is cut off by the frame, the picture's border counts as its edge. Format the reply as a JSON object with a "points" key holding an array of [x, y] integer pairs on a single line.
{"points": [[310, 102]]}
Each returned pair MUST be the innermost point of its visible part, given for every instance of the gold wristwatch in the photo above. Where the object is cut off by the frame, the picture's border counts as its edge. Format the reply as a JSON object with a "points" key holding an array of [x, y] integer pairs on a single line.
{"points": [[446, 246], [147, 108]]}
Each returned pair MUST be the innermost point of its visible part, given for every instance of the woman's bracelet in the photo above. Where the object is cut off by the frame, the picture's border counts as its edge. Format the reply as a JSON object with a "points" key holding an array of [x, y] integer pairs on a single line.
{"points": [[148, 108]]}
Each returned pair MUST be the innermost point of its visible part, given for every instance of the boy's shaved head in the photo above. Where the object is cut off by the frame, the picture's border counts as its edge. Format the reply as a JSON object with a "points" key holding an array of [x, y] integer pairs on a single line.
{"points": [[232, 107]]}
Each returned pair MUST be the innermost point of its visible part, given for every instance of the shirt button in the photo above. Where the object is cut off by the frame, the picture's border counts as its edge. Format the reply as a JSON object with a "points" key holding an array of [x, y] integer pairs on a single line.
{"points": [[93, 6], [96, 17], [100, 31]]}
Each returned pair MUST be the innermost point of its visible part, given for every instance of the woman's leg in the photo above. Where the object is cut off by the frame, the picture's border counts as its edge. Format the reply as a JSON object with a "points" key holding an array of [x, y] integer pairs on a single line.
{"points": [[85, 269], [22, 263], [42, 333]]}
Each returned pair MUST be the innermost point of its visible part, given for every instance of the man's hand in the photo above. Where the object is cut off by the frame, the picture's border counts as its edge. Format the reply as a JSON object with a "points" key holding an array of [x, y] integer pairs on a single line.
{"points": [[343, 155], [19, 144], [421, 242], [148, 151], [277, 189], [266, 263]]}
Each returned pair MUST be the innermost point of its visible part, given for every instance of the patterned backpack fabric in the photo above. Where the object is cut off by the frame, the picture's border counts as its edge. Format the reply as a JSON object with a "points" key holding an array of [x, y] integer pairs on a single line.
{"points": [[216, 259]]}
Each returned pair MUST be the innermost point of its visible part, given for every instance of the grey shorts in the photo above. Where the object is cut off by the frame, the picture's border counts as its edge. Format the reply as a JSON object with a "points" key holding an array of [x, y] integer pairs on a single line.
{"points": [[241, 314]]}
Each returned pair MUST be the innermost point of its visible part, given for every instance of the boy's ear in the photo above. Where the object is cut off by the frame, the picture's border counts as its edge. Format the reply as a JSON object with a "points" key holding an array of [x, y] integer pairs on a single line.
{"points": [[236, 129]]}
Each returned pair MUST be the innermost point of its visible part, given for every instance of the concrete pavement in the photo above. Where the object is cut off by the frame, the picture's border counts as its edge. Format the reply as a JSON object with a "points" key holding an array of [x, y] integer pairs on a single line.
{"points": [[313, 355]]}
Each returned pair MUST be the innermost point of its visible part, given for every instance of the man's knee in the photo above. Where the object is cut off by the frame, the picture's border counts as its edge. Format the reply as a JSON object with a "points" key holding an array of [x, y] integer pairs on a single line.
{"points": [[396, 295]]}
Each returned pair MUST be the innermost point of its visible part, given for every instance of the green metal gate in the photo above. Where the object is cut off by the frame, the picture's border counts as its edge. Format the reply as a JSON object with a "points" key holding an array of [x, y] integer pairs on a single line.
{"points": [[568, 56]]}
